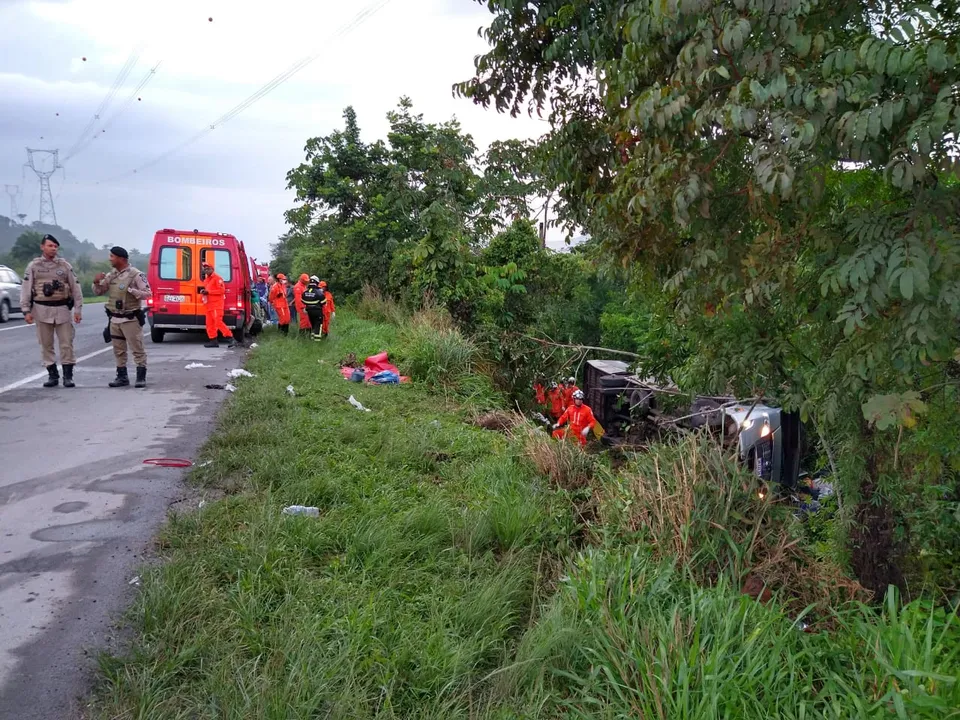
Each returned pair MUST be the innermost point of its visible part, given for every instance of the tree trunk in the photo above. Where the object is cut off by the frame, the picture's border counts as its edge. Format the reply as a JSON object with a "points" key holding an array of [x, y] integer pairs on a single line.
{"points": [[875, 552]]}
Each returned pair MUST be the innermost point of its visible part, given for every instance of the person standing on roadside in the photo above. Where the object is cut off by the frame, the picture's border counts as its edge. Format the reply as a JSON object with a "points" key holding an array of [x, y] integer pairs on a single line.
{"points": [[329, 309], [299, 306], [49, 292], [278, 300], [267, 303], [125, 288], [569, 388], [315, 302], [213, 292]]}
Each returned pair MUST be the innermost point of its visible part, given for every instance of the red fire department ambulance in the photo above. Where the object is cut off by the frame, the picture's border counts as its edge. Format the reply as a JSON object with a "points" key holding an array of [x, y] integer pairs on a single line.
{"points": [[174, 277]]}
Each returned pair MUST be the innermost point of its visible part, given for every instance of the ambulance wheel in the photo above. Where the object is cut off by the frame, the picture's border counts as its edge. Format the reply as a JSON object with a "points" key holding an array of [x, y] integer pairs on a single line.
{"points": [[238, 334], [156, 334]]}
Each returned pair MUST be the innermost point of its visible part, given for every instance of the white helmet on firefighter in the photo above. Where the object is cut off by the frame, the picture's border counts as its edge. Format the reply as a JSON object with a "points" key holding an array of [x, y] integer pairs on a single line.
{"points": [[578, 394]]}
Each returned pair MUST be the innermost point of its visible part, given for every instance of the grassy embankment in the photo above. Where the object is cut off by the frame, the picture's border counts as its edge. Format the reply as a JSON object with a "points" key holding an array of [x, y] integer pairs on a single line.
{"points": [[443, 579]]}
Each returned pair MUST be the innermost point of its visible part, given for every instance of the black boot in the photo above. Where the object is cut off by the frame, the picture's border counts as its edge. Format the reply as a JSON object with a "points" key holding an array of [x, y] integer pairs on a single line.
{"points": [[54, 378], [68, 376], [141, 377], [122, 379], [212, 343]]}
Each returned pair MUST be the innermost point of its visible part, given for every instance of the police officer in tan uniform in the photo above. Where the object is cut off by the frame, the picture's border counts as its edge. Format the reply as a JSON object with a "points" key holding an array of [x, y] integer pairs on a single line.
{"points": [[49, 292], [125, 288]]}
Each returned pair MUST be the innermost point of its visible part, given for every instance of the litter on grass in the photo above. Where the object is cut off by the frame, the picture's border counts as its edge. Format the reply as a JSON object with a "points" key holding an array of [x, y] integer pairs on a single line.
{"points": [[194, 366], [290, 391], [239, 372], [301, 510], [230, 388], [254, 345], [134, 581], [356, 403]]}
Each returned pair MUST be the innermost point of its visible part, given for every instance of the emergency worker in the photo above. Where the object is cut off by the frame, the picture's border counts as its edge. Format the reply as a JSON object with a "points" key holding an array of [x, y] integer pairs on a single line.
{"points": [[125, 288], [569, 388], [278, 299], [555, 401], [329, 310], [213, 291], [298, 305], [539, 393], [49, 292], [580, 419], [314, 301]]}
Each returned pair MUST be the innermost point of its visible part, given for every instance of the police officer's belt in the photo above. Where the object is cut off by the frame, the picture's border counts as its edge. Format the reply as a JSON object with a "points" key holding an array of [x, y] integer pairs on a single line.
{"points": [[53, 303], [125, 316]]}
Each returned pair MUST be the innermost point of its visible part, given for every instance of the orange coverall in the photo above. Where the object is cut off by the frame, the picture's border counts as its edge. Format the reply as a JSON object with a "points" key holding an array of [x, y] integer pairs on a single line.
{"points": [[213, 306], [579, 419], [555, 398], [539, 394], [300, 307], [278, 298], [568, 395], [328, 310]]}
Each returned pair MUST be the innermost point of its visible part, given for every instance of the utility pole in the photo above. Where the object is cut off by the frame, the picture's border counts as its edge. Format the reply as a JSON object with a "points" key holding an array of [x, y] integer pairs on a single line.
{"points": [[48, 214], [13, 191]]}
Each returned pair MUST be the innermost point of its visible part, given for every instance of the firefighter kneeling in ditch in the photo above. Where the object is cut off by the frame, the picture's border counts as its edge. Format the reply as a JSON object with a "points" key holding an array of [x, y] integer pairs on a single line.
{"points": [[578, 419]]}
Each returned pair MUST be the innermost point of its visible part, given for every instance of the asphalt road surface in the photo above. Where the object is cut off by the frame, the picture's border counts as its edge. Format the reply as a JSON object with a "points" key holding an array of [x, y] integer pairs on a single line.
{"points": [[78, 506]]}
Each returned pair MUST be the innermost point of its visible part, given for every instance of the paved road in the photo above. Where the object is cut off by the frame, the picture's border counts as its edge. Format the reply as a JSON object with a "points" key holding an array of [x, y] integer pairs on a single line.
{"points": [[77, 505]]}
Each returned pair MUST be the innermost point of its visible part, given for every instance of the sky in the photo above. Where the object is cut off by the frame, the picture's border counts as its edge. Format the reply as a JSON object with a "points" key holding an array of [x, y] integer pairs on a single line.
{"points": [[233, 179]]}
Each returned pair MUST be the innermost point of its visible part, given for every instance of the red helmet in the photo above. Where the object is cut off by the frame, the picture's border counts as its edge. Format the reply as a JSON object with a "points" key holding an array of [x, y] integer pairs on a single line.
{"points": [[304, 278], [323, 283]]}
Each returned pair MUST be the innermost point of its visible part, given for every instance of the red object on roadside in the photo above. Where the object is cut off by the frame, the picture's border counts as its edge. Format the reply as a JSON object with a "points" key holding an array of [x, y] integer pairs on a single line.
{"points": [[373, 365], [169, 462]]}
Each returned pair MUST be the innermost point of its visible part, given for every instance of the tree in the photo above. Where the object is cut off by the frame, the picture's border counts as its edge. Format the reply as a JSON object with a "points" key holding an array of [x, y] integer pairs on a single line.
{"points": [[26, 248], [786, 172]]}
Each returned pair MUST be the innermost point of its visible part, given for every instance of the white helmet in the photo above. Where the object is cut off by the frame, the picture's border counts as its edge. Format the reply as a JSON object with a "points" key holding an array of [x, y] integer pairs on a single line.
{"points": [[314, 279], [571, 381], [578, 394]]}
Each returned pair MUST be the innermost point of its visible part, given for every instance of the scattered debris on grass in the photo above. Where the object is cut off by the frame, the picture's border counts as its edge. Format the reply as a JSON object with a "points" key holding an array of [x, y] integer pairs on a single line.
{"points": [[356, 403], [240, 372]]}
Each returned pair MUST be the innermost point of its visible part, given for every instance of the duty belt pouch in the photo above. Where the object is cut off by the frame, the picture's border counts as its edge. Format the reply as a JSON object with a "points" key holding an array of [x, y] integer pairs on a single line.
{"points": [[106, 333]]}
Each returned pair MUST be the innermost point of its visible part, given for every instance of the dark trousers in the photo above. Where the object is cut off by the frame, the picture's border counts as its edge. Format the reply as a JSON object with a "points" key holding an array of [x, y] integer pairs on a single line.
{"points": [[315, 313]]}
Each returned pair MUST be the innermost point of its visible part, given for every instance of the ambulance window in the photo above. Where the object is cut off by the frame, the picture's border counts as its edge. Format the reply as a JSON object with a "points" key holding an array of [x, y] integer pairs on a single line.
{"points": [[220, 259], [176, 263]]}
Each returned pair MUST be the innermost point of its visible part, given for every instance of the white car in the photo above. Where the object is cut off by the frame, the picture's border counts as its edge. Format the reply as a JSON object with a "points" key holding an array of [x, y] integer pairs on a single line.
{"points": [[10, 284]]}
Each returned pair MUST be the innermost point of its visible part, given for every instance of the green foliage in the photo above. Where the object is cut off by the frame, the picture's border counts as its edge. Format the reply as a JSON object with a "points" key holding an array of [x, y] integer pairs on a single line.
{"points": [[787, 177]]}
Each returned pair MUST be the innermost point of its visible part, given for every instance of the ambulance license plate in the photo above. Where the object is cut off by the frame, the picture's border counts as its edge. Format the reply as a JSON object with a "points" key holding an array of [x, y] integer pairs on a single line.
{"points": [[175, 298]]}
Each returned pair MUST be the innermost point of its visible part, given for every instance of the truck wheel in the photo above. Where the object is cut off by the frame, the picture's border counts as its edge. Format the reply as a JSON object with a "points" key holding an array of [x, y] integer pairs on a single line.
{"points": [[4, 311], [156, 334], [238, 333]]}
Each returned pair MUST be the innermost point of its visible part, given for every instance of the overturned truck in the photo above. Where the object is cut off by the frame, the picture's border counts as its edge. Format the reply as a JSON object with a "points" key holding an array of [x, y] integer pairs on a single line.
{"points": [[770, 441]]}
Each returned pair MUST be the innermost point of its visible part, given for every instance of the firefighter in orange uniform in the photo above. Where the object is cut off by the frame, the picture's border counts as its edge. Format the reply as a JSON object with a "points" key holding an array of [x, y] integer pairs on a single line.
{"points": [[299, 305], [329, 310], [278, 298], [569, 388], [555, 401], [578, 417], [213, 292]]}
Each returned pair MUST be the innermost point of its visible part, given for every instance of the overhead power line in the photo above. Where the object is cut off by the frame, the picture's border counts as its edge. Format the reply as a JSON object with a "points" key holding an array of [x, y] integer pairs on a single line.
{"points": [[89, 132], [133, 95], [265, 90]]}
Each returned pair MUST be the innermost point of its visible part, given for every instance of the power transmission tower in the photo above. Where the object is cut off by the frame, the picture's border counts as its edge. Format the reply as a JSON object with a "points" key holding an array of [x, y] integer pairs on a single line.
{"points": [[48, 214], [13, 191]]}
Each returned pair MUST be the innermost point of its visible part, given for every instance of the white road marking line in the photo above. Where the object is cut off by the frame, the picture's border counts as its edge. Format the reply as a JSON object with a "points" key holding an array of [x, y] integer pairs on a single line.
{"points": [[21, 383], [14, 328]]}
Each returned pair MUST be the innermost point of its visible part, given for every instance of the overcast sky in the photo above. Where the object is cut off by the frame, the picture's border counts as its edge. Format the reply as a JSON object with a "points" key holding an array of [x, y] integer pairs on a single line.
{"points": [[233, 179]]}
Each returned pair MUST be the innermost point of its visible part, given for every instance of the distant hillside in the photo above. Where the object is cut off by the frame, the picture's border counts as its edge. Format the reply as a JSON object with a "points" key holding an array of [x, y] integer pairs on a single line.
{"points": [[70, 246]]}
